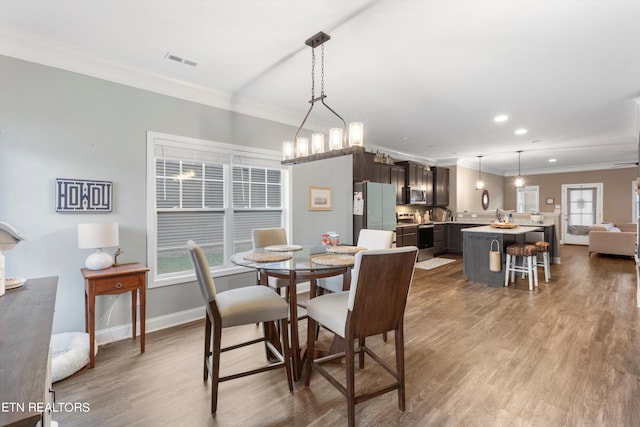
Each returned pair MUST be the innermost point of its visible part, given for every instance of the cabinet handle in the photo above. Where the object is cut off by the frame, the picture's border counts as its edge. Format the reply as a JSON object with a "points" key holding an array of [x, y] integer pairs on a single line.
{"points": [[118, 285]]}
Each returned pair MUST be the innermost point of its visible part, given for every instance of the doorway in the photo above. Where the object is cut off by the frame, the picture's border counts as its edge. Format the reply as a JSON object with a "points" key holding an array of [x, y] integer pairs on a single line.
{"points": [[581, 208]]}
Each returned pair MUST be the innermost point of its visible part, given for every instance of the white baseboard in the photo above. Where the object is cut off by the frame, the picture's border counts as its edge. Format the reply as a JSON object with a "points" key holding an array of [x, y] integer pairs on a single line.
{"points": [[122, 332]]}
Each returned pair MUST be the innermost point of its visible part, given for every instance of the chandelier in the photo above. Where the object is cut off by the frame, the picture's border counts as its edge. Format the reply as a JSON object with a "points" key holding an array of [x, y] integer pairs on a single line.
{"points": [[337, 136], [519, 178], [479, 182]]}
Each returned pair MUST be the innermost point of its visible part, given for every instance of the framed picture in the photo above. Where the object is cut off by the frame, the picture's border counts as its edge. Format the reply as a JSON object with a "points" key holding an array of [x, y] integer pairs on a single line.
{"points": [[550, 200], [320, 199]]}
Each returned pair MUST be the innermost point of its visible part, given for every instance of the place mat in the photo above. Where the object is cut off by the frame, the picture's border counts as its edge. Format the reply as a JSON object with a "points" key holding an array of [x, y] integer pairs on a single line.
{"points": [[337, 260], [283, 248], [268, 256], [498, 225], [345, 249]]}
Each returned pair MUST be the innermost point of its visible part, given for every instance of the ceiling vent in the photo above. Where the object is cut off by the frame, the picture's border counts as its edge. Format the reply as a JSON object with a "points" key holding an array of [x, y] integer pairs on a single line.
{"points": [[181, 60]]}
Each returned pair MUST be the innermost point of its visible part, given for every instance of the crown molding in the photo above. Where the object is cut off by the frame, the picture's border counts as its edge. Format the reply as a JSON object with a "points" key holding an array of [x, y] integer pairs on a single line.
{"points": [[47, 52]]}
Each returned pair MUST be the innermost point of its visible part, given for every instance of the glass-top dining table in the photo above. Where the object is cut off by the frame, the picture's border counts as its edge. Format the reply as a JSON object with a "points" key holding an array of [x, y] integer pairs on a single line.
{"points": [[298, 264]]}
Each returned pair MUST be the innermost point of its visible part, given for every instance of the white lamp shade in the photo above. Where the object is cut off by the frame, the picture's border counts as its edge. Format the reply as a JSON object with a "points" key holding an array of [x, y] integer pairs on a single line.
{"points": [[288, 151], [98, 235], [317, 143], [302, 146], [356, 131], [335, 138]]}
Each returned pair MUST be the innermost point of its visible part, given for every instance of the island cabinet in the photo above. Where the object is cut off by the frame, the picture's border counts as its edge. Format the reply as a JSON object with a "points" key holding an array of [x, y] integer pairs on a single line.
{"points": [[439, 239], [407, 235]]}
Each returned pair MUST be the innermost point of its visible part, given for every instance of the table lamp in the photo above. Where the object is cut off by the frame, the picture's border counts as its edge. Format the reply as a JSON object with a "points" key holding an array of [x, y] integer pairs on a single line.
{"points": [[97, 236], [9, 237]]}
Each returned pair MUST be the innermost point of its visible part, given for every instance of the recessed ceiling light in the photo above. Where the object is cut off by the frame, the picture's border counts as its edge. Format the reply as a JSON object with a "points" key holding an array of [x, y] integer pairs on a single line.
{"points": [[501, 118], [405, 138], [520, 131], [553, 160]]}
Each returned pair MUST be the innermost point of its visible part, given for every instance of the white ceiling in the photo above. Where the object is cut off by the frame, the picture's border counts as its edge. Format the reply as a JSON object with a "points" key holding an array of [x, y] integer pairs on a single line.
{"points": [[435, 71]]}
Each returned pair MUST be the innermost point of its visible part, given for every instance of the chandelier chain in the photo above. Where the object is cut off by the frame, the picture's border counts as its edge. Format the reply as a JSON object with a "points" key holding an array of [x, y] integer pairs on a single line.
{"points": [[322, 70], [313, 73]]}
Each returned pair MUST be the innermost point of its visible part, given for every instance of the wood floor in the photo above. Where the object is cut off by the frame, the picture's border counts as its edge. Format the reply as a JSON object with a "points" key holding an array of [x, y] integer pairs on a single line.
{"points": [[567, 353]]}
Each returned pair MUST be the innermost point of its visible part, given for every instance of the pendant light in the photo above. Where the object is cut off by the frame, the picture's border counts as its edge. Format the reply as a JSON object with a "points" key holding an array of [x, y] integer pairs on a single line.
{"points": [[519, 178], [479, 182], [338, 136]]}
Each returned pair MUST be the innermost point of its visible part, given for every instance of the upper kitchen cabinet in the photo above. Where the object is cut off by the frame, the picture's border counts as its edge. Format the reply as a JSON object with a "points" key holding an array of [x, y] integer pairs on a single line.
{"points": [[398, 174], [415, 173], [440, 186], [427, 179]]}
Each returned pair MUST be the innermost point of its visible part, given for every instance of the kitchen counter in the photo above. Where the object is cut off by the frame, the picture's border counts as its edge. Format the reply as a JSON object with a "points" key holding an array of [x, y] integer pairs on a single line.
{"points": [[476, 245]]}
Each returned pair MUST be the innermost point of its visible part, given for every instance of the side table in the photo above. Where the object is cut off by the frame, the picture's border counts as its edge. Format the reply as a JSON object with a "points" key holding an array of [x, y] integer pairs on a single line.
{"points": [[114, 280]]}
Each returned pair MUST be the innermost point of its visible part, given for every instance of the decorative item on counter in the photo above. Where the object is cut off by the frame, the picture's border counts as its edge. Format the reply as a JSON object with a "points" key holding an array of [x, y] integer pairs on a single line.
{"points": [[334, 239], [536, 218], [325, 239]]}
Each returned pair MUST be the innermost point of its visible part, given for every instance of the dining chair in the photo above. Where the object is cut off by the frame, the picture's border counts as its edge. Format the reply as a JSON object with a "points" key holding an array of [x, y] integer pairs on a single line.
{"points": [[370, 239], [375, 303], [263, 237], [241, 306]]}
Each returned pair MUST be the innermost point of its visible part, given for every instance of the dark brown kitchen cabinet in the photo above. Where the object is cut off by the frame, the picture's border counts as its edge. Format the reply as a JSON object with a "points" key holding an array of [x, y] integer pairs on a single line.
{"points": [[439, 239], [427, 179], [407, 236], [454, 237], [440, 186], [397, 175]]}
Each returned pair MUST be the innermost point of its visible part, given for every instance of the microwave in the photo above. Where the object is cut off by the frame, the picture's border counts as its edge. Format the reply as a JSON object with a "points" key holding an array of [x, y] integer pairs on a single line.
{"points": [[417, 195]]}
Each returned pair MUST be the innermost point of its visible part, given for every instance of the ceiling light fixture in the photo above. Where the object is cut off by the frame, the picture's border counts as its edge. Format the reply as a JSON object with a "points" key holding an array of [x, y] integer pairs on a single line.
{"points": [[336, 135], [501, 118], [520, 131], [479, 182], [553, 160], [519, 178]]}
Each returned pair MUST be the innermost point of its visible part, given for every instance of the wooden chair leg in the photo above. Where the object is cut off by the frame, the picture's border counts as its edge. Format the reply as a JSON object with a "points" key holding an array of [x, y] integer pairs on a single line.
{"points": [[384, 336], [399, 336], [351, 400], [215, 367], [286, 351], [361, 343], [207, 345], [312, 327]]}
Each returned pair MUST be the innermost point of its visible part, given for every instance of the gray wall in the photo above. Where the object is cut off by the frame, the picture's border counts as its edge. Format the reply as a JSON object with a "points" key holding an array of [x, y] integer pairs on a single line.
{"points": [[58, 124], [336, 173]]}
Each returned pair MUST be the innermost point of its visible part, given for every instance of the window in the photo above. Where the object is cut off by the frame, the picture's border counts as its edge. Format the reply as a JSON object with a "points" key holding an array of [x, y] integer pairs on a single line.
{"points": [[212, 193], [527, 199]]}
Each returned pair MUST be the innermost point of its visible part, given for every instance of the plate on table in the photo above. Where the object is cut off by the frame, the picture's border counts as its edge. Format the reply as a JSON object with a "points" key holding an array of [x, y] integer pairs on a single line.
{"points": [[268, 256], [345, 249], [337, 260], [283, 248], [14, 282]]}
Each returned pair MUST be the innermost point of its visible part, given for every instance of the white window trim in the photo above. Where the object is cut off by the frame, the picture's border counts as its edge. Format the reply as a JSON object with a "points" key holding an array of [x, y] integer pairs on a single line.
{"points": [[535, 188], [266, 156]]}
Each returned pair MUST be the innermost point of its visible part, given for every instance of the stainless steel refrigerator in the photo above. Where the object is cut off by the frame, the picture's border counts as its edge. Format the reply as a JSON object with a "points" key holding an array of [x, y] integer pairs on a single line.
{"points": [[374, 207]]}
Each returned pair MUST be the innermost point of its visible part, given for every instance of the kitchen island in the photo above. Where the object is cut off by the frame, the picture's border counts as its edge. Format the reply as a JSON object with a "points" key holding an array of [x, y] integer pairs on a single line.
{"points": [[476, 245]]}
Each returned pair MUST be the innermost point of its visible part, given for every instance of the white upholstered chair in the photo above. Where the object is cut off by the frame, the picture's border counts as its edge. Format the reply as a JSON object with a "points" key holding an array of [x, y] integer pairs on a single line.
{"points": [[374, 304], [370, 239], [241, 306]]}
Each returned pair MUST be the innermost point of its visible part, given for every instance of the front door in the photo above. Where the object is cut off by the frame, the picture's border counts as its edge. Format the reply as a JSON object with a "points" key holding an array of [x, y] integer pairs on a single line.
{"points": [[581, 208]]}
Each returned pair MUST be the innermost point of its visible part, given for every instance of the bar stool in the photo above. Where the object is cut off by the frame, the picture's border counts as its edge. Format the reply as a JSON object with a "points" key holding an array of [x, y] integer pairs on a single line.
{"points": [[542, 248], [529, 263]]}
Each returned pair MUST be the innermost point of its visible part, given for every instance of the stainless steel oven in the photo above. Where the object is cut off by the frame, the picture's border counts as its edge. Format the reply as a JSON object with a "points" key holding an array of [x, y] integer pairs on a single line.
{"points": [[425, 242]]}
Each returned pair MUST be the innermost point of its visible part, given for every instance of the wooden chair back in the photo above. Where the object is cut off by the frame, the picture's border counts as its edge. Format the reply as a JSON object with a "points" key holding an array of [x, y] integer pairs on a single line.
{"points": [[378, 295]]}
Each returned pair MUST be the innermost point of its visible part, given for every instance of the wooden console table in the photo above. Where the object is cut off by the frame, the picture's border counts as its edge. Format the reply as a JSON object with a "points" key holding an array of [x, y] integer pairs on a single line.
{"points": [[115, 280], [26, 318]]}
